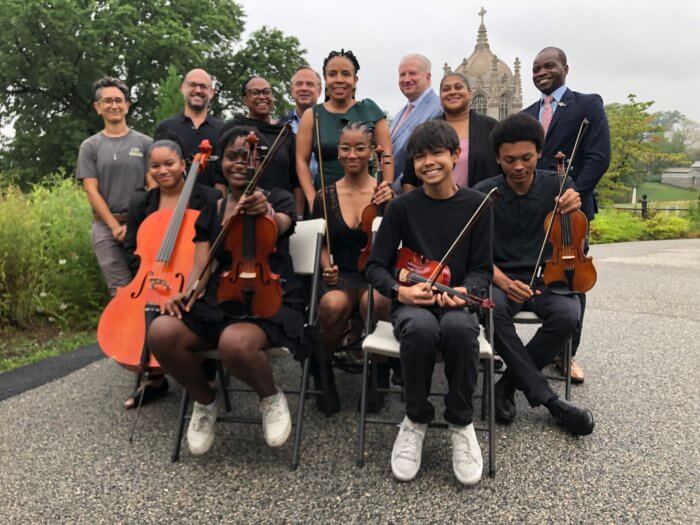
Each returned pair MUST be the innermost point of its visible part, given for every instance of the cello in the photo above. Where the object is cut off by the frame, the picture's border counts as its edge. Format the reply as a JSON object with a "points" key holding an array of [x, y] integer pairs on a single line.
{"points": [[369, 213], [569, 269], [123, 325]]}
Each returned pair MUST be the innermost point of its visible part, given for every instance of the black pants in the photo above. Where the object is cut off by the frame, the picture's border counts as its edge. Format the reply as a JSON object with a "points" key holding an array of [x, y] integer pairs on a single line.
{"points": [[560, 316], [422, 332]]}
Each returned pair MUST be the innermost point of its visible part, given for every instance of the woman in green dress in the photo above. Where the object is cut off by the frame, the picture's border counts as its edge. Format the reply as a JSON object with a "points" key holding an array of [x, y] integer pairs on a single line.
{"points": [[340, 73]]}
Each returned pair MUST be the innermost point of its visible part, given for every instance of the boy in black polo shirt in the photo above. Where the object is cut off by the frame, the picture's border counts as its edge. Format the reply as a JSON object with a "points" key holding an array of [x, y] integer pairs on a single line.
{"points": [[427, 221], [527, 197]]}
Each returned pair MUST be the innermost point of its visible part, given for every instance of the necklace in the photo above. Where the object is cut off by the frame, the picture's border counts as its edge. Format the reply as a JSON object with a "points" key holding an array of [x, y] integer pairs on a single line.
{"points": [[119, 144]]}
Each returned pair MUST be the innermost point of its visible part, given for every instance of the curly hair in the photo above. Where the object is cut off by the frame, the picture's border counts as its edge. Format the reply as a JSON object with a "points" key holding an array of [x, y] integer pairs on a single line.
{"points": [[108, 81]]}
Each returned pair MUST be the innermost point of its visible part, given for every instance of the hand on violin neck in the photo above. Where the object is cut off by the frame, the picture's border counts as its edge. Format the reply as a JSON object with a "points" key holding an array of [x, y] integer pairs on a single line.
{"points": [[254, 204], [416, 295], [382, 193], [569, 201], [446, 300], [519, 291], [330, 275]]}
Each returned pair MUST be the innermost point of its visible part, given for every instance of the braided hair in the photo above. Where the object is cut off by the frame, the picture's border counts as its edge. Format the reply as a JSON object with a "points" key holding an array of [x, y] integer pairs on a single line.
{"points": [[343, 54]]}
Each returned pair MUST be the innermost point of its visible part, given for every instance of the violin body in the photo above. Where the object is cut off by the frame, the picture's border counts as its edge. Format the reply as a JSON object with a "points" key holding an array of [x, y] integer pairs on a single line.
{"points": [[121, 331], [569, 269], [251, 240], [371, 212], [409, 262]]}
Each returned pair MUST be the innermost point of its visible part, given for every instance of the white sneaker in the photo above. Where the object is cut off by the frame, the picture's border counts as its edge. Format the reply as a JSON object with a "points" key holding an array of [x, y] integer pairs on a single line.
{"points": [[467, 462], [276, 421], [408, 447], [200, 432]]}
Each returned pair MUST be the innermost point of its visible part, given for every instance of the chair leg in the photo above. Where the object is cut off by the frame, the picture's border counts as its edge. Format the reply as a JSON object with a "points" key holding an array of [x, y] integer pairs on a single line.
{"points": [[492, 419], [567, 368], [223, 378], [303, 385], [325, 387], [374, 385], [180, 426], [484, 393], [363, 412]]}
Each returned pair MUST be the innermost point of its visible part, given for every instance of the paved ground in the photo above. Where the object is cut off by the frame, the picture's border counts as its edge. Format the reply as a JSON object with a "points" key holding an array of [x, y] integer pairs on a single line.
{"points": [[64, 455]]}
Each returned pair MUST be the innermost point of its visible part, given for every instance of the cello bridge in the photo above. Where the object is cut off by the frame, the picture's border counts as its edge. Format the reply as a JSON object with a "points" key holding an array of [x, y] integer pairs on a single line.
{"points": [[247, 275], [568, 257], [159, 283]]}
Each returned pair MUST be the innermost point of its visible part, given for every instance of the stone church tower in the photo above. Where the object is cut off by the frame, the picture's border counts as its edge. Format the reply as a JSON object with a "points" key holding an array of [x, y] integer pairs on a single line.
{"points": [[496, 91]]}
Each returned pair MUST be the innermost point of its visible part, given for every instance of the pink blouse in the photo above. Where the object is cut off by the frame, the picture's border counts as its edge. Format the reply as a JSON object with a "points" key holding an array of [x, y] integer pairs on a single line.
{"points": [[461, 172]]}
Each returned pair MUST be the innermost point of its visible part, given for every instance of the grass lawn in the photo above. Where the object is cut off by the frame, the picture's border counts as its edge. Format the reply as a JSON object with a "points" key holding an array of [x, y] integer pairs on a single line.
{"points": [[22, 348], [655, 191]]}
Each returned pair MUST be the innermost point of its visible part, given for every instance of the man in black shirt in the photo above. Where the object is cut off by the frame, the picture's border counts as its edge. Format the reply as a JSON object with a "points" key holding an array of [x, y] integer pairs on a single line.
{"points": [[195, 124], [427, 221], [527, 196]]}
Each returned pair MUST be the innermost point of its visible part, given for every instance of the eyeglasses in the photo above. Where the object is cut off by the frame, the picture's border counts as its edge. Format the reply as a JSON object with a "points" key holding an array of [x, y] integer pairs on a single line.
{"points": [[110, 101], [257, 92], [200, 85], [345, 149]]}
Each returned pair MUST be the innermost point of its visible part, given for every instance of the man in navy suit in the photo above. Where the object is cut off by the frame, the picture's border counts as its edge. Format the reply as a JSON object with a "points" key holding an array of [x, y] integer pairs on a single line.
{"points": [[560, 111], [423, 104]]}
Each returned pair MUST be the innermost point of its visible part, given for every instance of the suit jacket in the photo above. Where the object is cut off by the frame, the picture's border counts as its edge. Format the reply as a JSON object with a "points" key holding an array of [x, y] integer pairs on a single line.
{"points": [[428, 108], [593, 156], [481, 159]]}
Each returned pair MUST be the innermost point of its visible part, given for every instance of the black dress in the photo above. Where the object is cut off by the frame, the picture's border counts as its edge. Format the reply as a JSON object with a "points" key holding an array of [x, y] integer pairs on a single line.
{"points": [[346, 242], [208, 319]]}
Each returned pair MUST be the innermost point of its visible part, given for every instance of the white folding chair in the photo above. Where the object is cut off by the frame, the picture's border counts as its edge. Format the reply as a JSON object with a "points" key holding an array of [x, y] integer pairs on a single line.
{"points": [[381, 341], [305, 248]]}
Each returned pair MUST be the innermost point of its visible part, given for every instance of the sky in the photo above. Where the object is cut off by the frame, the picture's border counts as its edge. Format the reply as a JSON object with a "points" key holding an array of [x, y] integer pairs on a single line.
{"points": [[614, 47]]}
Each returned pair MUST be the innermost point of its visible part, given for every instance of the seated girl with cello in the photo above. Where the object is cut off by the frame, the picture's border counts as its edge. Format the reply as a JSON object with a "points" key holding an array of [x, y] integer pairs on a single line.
{"points": [[166, 167], [344, 205], [202, 323]]}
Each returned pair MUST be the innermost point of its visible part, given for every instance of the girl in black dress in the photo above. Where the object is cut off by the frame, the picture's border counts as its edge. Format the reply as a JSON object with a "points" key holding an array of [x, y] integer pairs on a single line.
{"points": [[345, 285], [239, 338], [166, 166]]}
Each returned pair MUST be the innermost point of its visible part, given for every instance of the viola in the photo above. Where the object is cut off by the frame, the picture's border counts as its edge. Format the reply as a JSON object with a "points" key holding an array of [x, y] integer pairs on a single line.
{"points": [[165, 248], [569, 269], [412, 268], [251, 240], [369, 213]]}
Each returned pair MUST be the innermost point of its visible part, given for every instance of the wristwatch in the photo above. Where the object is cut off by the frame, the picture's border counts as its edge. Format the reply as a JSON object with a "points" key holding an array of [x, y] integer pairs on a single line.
{"points": [[395, 292]]}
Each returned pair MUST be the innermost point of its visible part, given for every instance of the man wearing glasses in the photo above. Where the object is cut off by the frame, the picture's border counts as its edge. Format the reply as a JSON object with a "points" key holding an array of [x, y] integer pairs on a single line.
{"points": [[112, 165], [195, 124]]}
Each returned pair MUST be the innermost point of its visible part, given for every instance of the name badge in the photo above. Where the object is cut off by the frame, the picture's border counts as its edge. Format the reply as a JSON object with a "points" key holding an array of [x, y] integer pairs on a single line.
{"points": [[135, 152]]}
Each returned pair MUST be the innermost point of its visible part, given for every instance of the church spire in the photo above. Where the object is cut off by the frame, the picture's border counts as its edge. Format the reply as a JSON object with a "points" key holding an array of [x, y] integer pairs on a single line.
{"points": [[482, 41]]}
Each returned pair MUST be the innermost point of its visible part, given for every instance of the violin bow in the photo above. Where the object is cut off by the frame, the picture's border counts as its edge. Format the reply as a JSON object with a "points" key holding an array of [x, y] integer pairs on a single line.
{"points": [[488, 201], [323, 187], [252, 183], [577, 143]]}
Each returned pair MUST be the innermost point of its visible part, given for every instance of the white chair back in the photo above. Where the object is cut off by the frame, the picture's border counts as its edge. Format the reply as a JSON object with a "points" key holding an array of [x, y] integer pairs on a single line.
{"points": [[302, 245]]}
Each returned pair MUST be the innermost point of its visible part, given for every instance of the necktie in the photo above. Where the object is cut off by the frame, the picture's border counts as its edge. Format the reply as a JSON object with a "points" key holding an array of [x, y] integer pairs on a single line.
{"points": [[405, 115], [547, 112]]}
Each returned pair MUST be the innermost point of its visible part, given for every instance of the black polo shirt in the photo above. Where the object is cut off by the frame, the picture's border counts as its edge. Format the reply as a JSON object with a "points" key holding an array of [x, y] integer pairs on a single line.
{"points": [[518, 222], [182, 126]]}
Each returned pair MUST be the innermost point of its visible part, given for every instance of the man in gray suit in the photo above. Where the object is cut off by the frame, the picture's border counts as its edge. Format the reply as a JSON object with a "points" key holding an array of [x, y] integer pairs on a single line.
{"points": [[423, 104]]}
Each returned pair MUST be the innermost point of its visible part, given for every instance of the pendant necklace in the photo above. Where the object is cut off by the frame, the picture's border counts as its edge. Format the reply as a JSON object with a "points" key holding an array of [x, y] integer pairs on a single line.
{"points": [[114, 152]]}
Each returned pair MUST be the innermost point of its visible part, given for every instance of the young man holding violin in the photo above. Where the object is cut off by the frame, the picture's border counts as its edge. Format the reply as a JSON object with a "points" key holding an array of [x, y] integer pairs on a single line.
{"points": [[528, 195], [427, 221]]}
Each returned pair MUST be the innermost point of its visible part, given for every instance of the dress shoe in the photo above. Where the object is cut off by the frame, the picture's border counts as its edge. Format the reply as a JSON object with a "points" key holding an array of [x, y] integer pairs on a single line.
{"points": [[576, 370], [578, 421], [504, 401]]}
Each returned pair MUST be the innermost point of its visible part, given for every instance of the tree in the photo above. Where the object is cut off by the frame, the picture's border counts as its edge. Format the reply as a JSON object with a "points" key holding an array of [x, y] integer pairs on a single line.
{"points": [[169, 98], [635, 147], [51, 53]]}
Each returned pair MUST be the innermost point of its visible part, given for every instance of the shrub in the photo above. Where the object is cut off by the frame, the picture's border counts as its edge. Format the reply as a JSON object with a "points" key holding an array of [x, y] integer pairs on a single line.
{"points": [[666, 226], [616, 226]]}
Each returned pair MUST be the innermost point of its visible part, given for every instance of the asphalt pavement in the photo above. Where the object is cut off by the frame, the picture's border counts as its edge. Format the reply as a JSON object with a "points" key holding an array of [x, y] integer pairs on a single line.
{"points": [[65, 457]]}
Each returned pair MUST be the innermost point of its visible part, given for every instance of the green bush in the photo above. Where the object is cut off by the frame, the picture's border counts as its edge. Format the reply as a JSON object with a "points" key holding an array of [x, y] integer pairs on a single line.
{"points": [[616, 226], [48, 271], [666, 226]]}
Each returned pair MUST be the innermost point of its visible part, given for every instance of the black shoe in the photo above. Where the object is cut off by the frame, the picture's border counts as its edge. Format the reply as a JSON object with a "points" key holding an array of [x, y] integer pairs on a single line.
{"points": [[578, 421], [504, 401], [332, 404]]}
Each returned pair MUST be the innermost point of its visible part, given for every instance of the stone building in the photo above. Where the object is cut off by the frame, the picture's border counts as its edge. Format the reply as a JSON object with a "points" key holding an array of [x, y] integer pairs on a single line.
{"points": [[686, 178], [496, 90]]}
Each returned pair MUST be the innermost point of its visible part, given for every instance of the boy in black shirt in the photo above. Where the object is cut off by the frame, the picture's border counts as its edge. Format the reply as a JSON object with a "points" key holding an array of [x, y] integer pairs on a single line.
{"points": [[527, 197], [427, 221]]}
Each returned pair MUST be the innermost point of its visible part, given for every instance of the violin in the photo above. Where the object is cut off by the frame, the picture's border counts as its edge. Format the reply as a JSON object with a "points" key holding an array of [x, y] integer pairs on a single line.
{"points": [[412, 268], [166, 250], [369, 213], [251, 240], [569, 269]]}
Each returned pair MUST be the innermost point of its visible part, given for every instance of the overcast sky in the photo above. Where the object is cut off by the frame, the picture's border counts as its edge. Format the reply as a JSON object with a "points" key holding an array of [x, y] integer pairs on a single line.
{"points": [[615, 47]]}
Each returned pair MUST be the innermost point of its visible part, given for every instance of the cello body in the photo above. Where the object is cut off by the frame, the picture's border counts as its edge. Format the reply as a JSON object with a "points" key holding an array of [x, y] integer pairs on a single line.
{"points": [[121, 331]]}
